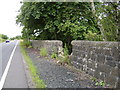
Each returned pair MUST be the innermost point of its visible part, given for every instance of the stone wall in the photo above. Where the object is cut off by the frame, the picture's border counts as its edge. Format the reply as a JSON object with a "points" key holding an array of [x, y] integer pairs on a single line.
{"points": [[50, 45], [99, 59]]}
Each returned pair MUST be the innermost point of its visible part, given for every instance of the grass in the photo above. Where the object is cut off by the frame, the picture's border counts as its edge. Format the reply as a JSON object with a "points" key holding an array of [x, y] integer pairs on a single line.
{"points": [[65, 58], [33, 70], [54, 55], [43, 52], [2, 40]]}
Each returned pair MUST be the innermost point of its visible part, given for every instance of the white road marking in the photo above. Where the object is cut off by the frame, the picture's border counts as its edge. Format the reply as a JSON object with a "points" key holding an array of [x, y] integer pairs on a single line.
{"points": [[2, 81]]}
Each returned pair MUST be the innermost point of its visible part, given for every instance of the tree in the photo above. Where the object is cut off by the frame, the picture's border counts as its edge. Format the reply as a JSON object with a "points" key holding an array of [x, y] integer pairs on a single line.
{"points": [[16, 37], [110, 13], [57, 20], [98, 20], [3, 36], [68, 21]]}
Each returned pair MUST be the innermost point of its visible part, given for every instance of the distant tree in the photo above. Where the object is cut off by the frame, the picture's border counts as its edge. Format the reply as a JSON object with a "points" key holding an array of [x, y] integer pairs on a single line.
{"points": [[3, 36], [16, 37]]}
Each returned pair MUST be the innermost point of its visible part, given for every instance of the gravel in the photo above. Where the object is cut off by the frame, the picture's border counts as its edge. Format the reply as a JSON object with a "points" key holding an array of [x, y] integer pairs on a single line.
{"points": [[58, 76]]}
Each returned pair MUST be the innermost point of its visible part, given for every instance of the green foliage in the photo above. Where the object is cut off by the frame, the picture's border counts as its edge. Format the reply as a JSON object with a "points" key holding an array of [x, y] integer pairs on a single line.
{"points": [[65, 50], [98, 83], [65, 58], [2, 36], [54, 55], [43, 52], [94, 79], [56, 20], [68, 21], [93, 36], [30, 46], [26, 43], [33, 70], [110, 13], [2, 40], [16, 37], [101, 83]]}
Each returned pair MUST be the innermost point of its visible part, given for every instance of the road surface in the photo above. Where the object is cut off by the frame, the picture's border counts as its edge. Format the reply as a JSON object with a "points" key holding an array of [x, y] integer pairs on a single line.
{"points": [[11, 66]]}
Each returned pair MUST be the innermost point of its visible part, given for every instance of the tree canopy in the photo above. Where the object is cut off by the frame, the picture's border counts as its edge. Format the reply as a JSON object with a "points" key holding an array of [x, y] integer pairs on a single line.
{"points": [[16, 37], [3, 36], [69, 21]]}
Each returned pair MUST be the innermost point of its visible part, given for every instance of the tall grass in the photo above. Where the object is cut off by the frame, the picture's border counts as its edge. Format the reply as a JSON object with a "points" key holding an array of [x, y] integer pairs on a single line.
{"points": [[43, 52], [65, 58]]}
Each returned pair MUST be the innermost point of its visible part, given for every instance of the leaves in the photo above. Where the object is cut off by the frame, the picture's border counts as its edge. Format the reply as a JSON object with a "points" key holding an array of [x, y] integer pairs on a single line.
{"points": [[67, 21]]}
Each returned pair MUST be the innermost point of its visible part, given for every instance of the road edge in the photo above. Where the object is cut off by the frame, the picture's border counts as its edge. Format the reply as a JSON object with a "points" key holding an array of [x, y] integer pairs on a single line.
{"points": [[30, 82]]}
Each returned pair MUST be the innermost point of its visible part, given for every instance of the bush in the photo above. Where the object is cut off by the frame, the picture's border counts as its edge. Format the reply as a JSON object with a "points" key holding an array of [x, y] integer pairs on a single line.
{"points": [[43, 52], [26, 43]]}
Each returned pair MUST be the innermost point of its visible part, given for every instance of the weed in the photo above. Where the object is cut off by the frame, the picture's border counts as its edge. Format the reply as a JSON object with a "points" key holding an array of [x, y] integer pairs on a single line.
{"points": [[65, 51], [94, 79], [54, 55], [65, 58], [98, 83], [30, 46], [43, 52], [102, 83], [33, 70]]}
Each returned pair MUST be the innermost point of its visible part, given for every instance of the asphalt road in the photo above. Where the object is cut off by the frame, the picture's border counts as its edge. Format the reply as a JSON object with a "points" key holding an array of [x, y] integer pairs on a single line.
{"points": [[5, 52], [7, 49], [16, 77]]}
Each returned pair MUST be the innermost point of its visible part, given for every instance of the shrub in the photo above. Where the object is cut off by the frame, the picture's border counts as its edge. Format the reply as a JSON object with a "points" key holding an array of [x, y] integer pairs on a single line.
{"points": [[26, 43], [43, 52]]}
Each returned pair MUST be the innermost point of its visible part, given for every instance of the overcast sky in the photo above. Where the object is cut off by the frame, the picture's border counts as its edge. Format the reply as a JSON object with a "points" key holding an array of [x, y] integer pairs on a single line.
{"points": [[8, 13]]}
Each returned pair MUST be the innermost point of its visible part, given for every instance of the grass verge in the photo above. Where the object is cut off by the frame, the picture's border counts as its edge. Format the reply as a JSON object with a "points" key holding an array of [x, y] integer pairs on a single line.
{"points": [[2, 40], [33, 70]]}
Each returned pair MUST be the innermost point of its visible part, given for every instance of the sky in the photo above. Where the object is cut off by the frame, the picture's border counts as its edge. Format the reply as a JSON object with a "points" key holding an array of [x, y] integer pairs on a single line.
{"points": [[8, 12]]}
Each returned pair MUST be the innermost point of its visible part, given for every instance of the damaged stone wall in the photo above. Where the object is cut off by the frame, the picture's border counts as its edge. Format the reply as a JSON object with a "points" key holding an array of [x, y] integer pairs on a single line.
{"points": [[99, 59]]}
